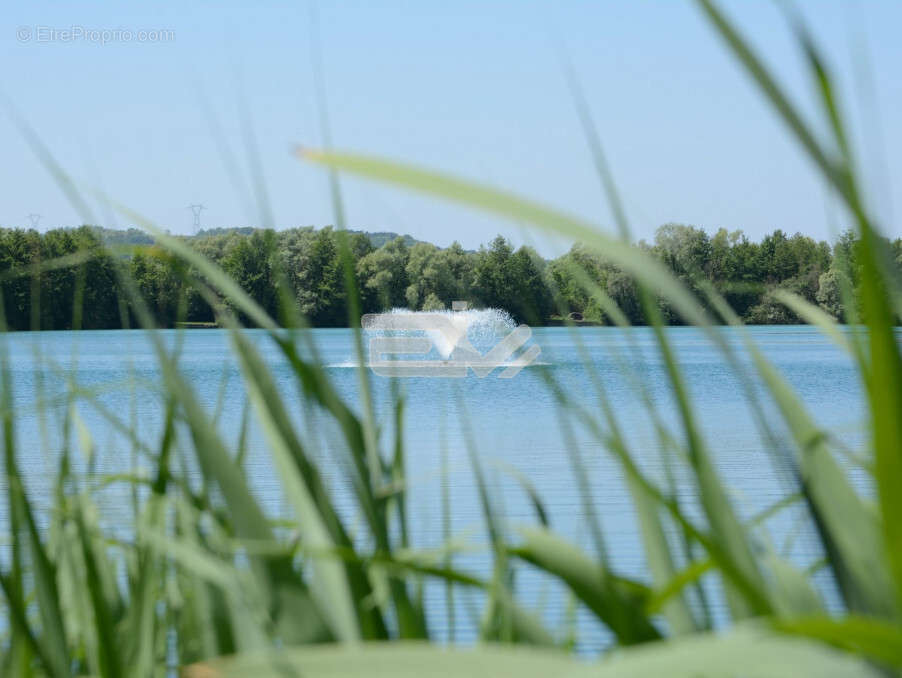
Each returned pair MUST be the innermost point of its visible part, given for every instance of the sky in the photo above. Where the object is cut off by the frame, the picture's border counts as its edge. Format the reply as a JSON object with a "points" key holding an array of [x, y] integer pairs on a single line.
{"points": [[476, 89]]}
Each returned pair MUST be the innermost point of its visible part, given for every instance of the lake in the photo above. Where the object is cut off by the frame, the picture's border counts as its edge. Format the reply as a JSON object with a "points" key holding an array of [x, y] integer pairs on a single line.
{"points": [[514, 425]]}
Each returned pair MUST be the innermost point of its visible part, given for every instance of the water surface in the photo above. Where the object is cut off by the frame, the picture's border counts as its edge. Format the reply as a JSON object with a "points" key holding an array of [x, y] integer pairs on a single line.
{"points": [[515, 425]]}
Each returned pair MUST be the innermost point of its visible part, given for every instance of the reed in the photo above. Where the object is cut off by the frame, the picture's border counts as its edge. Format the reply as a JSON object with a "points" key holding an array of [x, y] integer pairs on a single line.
{"points": [[211, 585]]}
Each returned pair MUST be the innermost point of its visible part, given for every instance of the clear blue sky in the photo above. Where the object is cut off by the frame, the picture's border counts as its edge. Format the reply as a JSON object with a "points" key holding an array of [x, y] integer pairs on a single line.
{"points": [[474, 88]]}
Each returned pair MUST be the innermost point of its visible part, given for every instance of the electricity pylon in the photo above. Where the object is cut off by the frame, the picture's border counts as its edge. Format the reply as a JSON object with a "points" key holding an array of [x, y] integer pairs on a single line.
{"points": [[196, 210]]}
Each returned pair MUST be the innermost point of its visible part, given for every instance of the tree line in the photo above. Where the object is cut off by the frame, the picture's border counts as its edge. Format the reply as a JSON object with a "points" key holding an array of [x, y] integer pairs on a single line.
{"points": [[88, 277]]}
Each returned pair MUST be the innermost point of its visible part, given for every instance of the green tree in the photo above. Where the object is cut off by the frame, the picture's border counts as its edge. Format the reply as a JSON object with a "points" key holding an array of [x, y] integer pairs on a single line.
{"points": [[566, 276], [18, 250], [383, 274], [430, 272], [685, 249], [314, 269], [251, 262], [100, 294], [829, 293], [156, 277], [513, 281]]}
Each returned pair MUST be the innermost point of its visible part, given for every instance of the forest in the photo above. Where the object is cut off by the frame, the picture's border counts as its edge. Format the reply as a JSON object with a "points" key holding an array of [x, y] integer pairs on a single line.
{"points": [[72, 278]]}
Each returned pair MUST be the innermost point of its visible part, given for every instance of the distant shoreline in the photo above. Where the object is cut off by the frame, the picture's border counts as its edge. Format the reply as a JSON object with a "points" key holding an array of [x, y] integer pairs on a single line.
{"points": [[588, 324], [77, 277]]}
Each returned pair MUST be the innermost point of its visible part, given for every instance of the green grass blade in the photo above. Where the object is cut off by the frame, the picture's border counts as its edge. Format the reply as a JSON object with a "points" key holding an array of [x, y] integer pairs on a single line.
{"points": [[725, 525], [875, 639], [794, 594], [316, 385], [245, 601], [717, 551], [660, 559], [215, 275], [396, 660], [851, 543], [593, 140], [143, 632], [768, 86], [46, 158], [109, 659], [205, 624], [852, 531], [289, 595], [53, 651], [47, 593], [756, 652], [295, 612], [813, 315], [884, 379], [688, 575], [658, 554], [619, 606], [19, 618], [884, 387], [332, 587], [645, 268]]}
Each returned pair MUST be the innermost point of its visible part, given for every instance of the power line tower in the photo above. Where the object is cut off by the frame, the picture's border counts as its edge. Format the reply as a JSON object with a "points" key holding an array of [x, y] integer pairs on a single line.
{"points": [[34, 219], [196, 210]]}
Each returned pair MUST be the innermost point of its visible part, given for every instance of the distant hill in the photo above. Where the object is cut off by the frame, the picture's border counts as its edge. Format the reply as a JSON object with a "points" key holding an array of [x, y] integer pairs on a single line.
{"points": [[381, 237], [134, 236], [378, 239], [210, 232], [129, 236]]}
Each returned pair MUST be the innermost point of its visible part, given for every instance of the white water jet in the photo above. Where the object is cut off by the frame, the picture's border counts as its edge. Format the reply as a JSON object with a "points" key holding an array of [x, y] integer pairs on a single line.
{"points": [[474, 329]]}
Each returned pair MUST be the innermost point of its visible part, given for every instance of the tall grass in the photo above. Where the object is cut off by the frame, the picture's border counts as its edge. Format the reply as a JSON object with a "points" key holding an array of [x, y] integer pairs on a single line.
{"points": [[210, 584]]}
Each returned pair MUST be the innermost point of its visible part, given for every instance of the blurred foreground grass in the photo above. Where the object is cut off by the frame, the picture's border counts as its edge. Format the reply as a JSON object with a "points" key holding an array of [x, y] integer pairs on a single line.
{"points": [[210, 585]]}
